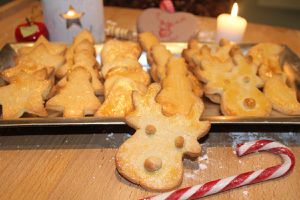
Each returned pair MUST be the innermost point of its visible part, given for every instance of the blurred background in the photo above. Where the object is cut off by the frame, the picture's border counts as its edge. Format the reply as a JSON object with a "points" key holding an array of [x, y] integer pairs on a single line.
{"points": [[285, 13]]}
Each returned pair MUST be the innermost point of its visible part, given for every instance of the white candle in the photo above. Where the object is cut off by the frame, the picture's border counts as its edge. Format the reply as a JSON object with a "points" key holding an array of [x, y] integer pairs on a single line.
{"points": [[231, 27]]}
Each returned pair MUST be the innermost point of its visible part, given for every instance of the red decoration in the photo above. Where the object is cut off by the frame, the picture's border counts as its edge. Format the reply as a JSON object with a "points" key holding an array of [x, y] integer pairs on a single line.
{"points": [[178, 26], [167, 5], [220, 185], [30, 31]]}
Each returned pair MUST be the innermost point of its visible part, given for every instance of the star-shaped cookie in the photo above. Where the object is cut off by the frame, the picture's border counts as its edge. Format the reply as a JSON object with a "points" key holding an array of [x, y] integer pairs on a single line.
{"points": [[25, 93], [53, 48]]}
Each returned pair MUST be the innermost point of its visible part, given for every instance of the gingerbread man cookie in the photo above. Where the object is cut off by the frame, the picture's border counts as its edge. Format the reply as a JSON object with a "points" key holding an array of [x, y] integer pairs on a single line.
{"points": [[152, 157]]}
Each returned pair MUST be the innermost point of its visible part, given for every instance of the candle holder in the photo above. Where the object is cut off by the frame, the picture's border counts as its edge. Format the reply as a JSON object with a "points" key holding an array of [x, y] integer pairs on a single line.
{"points": [[66, 18]]}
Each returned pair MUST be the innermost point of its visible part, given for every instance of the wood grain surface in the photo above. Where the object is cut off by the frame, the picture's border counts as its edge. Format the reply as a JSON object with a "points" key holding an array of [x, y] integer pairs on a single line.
{"points": [[81, 166]]}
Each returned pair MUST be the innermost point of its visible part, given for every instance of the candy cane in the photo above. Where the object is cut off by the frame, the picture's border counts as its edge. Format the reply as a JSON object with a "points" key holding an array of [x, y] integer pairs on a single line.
{"points": [[247, 178], [167, 5]]}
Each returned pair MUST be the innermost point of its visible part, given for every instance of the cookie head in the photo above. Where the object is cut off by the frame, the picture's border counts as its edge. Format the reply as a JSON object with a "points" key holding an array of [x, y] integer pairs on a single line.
{"points": [[238, 100]]}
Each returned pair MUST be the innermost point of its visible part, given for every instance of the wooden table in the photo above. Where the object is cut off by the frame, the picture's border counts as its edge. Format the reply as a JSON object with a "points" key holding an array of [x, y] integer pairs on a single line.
{"points": [[79, 164]]}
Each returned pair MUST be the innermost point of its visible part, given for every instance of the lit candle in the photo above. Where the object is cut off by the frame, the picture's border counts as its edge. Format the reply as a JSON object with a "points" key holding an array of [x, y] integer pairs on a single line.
{"points": [[231, 27], [72, 14]]}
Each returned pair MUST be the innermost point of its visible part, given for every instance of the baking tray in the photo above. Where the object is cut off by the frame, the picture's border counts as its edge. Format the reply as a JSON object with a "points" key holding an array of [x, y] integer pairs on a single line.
{"points": [[290, 62]]}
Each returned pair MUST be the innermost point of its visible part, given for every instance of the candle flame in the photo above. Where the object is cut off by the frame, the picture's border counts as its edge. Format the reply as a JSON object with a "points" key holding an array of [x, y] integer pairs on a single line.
{"points": [[234, 10], [71, 13]]}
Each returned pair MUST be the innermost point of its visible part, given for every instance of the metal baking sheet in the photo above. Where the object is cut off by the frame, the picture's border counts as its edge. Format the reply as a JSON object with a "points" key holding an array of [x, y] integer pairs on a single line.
{"points": [[290, 63]]}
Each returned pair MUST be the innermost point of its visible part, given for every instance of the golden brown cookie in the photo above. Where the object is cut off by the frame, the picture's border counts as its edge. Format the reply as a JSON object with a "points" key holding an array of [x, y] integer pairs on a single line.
{"points": [[128, 63], [269, 67], [137, 75], [147, 40], [76, 98], [84, 35], [196, 53], [25, 93], [85, 45], [192, 49], [263, 51], [245, 72], [210, 66], [242, 74], [160, 55], [240, 100], [41, 56], [82, 54], [96, 83], [197, 86], [152, 157], [176, 96], [282, 97], [27, 66], [120, 54], [118, 50], [118, 97], [52, 48], [267, 56], [123, 74]]}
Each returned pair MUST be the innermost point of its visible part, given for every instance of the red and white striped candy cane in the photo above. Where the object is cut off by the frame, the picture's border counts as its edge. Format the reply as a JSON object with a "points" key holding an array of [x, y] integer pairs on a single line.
{"points": [[167, 5], [247, 178]]}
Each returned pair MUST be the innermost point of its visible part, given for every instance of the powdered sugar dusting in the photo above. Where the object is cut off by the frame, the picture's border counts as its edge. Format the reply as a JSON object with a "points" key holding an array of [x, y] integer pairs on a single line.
{"points": [[112, 140], [203, 158], [190, 175], [245, 193], [202, 166], [196, 166]]}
